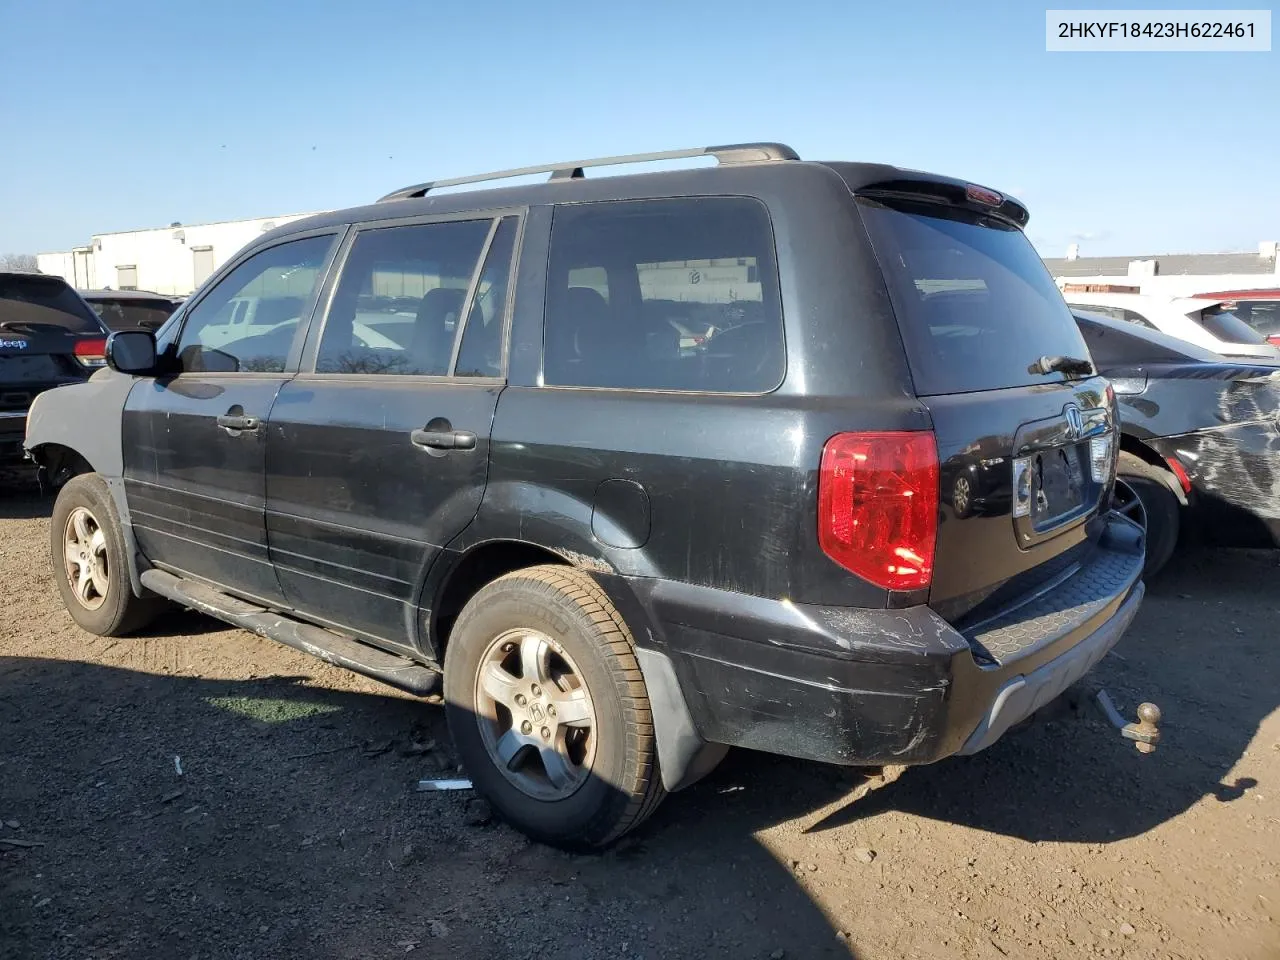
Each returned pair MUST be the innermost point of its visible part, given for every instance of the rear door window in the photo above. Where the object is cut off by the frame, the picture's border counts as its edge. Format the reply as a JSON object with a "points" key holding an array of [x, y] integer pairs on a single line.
{"points": [[28, 302], [664, 295], [973, 299], [398, 305], [1242, 322]]}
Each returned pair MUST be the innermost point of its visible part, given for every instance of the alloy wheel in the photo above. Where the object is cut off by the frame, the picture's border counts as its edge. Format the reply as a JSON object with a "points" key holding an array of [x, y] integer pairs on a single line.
{"points": [[85, 556], [536, 715]]}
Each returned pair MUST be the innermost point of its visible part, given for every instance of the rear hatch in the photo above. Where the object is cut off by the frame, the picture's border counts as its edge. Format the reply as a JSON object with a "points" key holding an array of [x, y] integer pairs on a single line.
{"points": [[1025, 429], [48, 336]]}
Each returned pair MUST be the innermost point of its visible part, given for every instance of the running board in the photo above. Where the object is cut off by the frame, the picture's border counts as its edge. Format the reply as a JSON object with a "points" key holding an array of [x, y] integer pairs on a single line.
{"points": [[399, 672]]}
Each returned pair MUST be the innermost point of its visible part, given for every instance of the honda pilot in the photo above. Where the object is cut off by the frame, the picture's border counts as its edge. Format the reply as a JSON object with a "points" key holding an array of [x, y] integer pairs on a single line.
{"points": [[808, 458]]}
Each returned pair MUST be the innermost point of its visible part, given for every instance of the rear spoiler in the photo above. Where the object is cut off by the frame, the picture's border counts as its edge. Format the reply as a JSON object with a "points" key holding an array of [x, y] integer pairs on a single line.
{"points": [[955, 193]]}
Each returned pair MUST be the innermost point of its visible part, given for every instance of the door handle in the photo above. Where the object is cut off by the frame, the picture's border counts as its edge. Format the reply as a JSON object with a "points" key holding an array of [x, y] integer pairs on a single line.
{"points": [[444, 439], [230, 421]]}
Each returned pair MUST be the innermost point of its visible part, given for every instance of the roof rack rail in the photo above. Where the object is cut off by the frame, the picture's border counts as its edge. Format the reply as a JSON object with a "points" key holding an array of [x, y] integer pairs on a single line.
{"points": [[573, 169]]}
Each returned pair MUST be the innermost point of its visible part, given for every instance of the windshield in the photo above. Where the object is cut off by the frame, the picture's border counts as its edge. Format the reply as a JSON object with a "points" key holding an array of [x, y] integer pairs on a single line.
{"points": [[1223, 323], [1263, 316], [44, 301], [973, 299], [128, 314]]}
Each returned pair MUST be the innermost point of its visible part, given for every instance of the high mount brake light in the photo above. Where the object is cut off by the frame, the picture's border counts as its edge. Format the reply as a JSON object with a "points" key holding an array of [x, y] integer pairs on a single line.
{"points": [[982, 195], [878, 506]]}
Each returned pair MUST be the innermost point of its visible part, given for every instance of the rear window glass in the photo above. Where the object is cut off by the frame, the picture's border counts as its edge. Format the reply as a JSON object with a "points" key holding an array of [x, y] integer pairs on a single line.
{"points": [[133, 314], [974, 301], [1243, 321], [27, 301], [664, 295]]}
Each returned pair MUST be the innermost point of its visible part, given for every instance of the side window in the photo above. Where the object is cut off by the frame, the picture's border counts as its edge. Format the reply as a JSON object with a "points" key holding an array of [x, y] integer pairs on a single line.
{"points": [[664, 295], [275, 286], [399, 302], [481, 352], [1134, 317], [1113, 312]]}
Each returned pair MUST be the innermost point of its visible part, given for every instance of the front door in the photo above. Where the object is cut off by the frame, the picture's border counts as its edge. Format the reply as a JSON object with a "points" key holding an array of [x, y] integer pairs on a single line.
{"points": [[377, 454], [195, 438]]}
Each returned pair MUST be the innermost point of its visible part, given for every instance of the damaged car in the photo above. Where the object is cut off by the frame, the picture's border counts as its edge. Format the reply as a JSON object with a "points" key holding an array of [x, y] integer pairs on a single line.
{"points": [[1200, 443], [625, 547]]}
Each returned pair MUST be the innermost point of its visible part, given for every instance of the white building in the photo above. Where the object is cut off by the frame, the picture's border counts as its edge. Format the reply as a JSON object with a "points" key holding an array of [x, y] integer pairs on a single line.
{"points": [[1173, 275], [172, 260]]}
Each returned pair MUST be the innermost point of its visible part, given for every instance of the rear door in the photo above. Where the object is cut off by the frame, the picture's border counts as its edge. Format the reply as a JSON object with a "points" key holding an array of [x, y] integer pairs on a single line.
{"points": [[1024, 427], [377, 454], [48, 336], [195, 438]]}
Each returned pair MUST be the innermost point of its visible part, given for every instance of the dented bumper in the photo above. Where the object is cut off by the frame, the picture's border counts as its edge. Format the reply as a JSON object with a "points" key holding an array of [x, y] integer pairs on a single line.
{"points": [[871, 687]]}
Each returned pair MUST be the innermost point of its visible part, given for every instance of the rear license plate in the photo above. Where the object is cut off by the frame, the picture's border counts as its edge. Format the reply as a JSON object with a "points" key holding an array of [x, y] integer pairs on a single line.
{"points": [[1057, 484]]}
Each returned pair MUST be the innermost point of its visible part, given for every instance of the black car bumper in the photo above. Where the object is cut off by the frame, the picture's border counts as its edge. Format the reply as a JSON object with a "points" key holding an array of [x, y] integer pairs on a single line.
{"points": [[871, 687]]}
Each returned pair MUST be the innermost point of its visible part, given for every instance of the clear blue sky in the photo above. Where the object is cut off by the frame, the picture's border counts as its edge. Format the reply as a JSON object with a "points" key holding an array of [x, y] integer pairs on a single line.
{"points": [[136, 113]]}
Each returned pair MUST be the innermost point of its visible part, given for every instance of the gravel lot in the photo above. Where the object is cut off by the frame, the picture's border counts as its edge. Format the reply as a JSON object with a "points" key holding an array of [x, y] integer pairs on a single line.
{"points": [[294, 830]]}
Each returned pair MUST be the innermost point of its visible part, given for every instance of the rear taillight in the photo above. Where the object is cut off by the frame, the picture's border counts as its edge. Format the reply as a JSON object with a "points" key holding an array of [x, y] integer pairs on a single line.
{"points": [[878, 506], [91, 353], [1274, 340]]}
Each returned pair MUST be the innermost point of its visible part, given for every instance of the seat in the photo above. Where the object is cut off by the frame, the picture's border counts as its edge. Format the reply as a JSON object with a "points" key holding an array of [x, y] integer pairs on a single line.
{"points": [[433, 331], [574, 334]]}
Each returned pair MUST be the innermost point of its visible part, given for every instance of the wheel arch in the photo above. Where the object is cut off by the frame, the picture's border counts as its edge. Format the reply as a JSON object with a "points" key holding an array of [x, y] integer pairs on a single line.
{"points": [[684, 756], [1139, 448], [56, 463]]}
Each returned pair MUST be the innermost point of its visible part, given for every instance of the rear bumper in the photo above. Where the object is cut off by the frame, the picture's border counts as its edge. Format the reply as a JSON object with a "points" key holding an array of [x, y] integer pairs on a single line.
{"points": [[869, 687]]}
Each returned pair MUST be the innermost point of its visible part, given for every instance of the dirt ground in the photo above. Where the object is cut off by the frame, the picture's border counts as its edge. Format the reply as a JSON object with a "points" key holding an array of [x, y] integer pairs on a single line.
{"points": [[203, 793]]}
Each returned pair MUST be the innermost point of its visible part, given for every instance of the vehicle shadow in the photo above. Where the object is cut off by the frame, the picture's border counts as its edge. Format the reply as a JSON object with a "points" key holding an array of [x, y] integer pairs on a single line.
{"points": [[294, 830], [1073, 778], [20, 499]]}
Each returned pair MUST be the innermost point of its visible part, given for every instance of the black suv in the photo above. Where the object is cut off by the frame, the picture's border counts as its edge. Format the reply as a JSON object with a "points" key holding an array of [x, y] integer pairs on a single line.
{"points": [[648, 466], [49, 337], [130, 309]]}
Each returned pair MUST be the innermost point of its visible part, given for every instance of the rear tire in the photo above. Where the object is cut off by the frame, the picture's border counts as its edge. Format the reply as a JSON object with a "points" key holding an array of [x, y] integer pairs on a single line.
{"points": [[1157, 509], [90, 561], [548, 708]]}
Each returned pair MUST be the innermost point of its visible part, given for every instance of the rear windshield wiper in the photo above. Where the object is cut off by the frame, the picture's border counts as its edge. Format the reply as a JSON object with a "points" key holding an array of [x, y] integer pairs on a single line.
{"points": [[1070, 366]]}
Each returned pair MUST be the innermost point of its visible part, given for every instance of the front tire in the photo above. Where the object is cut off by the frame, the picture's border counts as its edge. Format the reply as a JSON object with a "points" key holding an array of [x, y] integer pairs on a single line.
{"points": [[1150, 502], [90, 561], [548, 708]]}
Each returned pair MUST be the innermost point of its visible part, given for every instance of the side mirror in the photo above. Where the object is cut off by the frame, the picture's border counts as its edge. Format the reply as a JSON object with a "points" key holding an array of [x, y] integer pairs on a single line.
{"points": [[132, 352]]}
